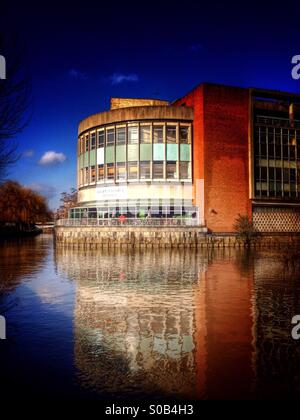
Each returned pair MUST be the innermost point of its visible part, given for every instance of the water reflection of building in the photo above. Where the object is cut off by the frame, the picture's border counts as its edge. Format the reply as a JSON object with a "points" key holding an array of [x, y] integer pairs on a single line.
{"points": [[161, 323], [276, 301]]}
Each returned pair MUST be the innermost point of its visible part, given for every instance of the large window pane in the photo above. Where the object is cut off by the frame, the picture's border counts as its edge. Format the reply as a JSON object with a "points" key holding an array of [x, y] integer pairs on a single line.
{"points": [[184, 135], [93, 141], [110, 137], [171, 134], [100, 172], [110, 171], [133, 135], [101, 137], [158, 133], [93, 173], [145, 131], [145, 170], [121, 135], [185, 170], [87, 142], [171, 170], [158, 170], [132, 170], [121, 171]]}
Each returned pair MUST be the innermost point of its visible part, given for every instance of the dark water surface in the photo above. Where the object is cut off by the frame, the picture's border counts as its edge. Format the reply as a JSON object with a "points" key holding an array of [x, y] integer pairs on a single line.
{"points": [[147, 324]]}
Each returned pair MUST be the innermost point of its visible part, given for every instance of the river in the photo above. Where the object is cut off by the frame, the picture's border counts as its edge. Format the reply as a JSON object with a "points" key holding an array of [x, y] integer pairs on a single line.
{"points": [[148, 324]]}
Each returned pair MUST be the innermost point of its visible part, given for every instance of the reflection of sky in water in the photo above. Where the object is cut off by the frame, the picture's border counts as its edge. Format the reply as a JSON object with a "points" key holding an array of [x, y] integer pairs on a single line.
{"points": [[146, 323]]}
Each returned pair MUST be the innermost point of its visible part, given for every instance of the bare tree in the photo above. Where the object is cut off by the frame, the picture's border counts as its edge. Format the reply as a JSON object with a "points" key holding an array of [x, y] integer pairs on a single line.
{"points": [[14, 102]]}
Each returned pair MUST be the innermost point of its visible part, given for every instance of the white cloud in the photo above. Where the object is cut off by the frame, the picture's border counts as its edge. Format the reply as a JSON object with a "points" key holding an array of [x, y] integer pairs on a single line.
{"points": [[52, 158], [118, 78]]}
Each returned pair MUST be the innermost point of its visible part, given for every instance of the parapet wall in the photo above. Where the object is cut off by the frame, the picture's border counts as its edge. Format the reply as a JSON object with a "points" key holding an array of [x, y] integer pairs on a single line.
{"points": [[158, 237]]}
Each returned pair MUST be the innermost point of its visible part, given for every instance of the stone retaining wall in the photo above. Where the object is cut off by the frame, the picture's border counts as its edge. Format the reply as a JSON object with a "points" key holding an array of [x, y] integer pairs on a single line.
{"points": [[157, 237]]}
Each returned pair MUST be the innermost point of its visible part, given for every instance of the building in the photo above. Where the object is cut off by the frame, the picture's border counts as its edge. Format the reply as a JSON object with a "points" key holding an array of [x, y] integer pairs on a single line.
{"points": [[216, 153]]}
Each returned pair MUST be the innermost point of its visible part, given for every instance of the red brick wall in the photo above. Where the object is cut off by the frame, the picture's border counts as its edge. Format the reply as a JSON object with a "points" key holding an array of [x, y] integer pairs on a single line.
{"points": [[220, 152]]}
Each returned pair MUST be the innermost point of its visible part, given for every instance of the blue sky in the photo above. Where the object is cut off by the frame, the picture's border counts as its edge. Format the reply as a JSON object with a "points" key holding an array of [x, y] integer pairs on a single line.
{"points": [[79, 56]]}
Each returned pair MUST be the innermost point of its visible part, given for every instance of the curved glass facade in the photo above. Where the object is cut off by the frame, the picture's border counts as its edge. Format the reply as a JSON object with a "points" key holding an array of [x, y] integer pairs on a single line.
{"points": [[153, 151], [135, 168]]}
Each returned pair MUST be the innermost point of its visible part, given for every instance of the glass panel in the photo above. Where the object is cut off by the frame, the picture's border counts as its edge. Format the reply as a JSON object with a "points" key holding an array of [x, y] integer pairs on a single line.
{"points": [[158, 133], [87, 143], [145, 131], [132, 170], [121, 135], [185, 170], [133, 135], [171, 133], [158, 170], [184, 135], [110, 137], [171, 170], [100, 172], [93, 173], [93, 141], [145, 170], [121, 171], [101, 137], [110, 171], [87, 176]]}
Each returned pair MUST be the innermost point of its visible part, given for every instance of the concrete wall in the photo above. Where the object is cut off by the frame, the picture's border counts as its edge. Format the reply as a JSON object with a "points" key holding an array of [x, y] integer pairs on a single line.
{"points": [[157, 237]]}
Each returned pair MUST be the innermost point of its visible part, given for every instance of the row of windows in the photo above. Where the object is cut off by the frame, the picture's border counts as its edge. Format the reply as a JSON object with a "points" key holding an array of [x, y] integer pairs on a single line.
{"points": [[135, 134], [134, 171], [277, 143]]}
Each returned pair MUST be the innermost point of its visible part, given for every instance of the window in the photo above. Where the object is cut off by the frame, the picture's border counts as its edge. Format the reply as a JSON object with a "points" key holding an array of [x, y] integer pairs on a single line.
{"points": [[93, 141], [133, 135], [171, 134], [100, 172], [145, 170], [101, 136], [145, 134], [81, 177], [121, 135], [158, 170], [158, 133], [171, 170], [121, 171], [82, 146], [86, 143], [184, 135], [93, 174], [132, 170], [184, 169], [87, 176], [110, 171], [110, 137]]}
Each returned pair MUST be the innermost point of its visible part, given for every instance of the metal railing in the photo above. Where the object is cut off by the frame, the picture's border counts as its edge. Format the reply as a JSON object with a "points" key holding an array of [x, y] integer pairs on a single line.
{"points": [[128, 222]]}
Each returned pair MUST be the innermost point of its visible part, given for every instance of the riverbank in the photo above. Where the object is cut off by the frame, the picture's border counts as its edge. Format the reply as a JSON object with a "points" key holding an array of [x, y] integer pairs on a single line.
{"points": [[91, 237], [12, 232]]}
